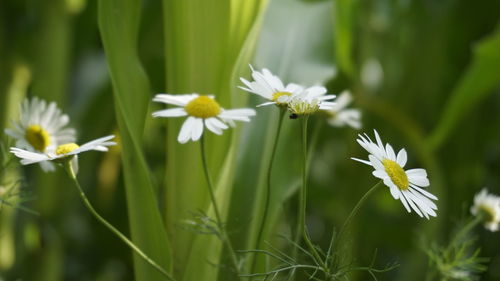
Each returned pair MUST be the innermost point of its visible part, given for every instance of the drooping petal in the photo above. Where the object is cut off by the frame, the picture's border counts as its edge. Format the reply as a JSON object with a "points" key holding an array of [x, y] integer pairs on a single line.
{"points": [[185, 133]]}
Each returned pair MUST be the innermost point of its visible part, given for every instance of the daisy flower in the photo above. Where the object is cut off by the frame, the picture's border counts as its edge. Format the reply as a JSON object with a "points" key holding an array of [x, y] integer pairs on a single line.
{"points": [[68, 151], [41, 128], [270, 87], [202, 111], [403, 185], [487, 205], [340, 116], [310, 100]]}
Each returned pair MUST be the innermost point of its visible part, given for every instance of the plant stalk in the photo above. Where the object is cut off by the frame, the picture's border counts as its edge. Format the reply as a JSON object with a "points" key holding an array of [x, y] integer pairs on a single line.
{"points": [[268, 184], [69, 169], [225, 238]]}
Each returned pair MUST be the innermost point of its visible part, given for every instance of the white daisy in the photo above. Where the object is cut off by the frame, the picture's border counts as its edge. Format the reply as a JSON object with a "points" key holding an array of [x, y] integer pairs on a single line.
{"points": [[487, 205], [403, 185], [203, 111], [340, 116], [68, 151], [270, 87], [310, 100], [41, 128]]}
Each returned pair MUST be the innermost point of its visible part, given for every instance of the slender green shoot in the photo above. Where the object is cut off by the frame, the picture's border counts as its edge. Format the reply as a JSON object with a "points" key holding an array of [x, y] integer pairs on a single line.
{"points": [[355, 210], [268, 183], [223, 233], [69, 170]]}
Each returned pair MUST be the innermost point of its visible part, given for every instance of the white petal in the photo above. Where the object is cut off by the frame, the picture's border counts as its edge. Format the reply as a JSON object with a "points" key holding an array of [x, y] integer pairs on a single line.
{"points": [[185, 133], [424, 192], [179, 100], [380, 174], [412, 204], [376, 163], [417, 172], [390, 152], [362, 161], [402, 158], [395, 192], [420, 181], [211, 127], [28, 157], [172, 112], [266, 103], [197, 129]]}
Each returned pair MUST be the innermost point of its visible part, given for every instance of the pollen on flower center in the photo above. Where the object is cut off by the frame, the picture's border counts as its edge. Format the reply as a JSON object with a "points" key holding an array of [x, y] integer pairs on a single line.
{"points": [[203, 107], [66, 148], [277, 95], [396, 173], [37, 137]]}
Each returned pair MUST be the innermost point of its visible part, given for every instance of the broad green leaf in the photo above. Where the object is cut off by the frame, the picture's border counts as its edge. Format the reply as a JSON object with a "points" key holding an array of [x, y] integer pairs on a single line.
{"points": [[208, 43], [343, 14], [118, 24], [479, 80]]}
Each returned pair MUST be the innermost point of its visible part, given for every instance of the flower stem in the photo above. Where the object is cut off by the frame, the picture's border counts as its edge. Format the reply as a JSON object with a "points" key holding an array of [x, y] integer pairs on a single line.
{"points": [[464, 230], [69, 169], [225, 238], [356, 209], [268, 183], [301, 224]]}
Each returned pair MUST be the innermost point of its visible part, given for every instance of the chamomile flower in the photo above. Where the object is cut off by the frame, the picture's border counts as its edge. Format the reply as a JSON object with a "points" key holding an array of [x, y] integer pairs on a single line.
{"points": [[67, 151], [310, 100], [340, 116], [41, 127], [403, 185], [487, 205], [202, 111], [270, 87]]}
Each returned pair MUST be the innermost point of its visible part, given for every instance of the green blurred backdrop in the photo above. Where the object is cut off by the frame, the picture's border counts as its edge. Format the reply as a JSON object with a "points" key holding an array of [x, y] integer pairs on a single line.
{"points": [[426, 75]]}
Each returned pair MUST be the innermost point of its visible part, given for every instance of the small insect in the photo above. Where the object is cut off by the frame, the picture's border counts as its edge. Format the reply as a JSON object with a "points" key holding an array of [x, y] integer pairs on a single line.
{"points": [[294, 116]]}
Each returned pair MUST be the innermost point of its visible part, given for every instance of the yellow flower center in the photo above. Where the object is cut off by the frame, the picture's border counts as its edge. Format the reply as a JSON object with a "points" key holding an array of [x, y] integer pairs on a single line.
{"points": [[277, 95], [487, 212], [203, 107], [37, 137], [66, 148], [396, 173]]}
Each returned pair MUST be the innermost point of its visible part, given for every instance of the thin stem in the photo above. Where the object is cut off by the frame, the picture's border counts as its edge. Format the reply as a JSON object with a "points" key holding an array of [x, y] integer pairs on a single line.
{"points": [[225, 238], [356, 209], [301, 226], [268, 183], [464, 230], [69, 169]]}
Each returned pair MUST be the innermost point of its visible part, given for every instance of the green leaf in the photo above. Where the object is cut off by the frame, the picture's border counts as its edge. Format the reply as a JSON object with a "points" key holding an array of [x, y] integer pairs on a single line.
{"points": [[208, 44], [479, 80], [118, 24], [343, 30]]}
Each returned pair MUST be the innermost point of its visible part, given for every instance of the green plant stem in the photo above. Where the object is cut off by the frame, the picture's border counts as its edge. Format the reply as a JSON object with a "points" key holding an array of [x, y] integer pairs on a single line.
{"points": [[301, 224], [356, 209], [69, 169], [268, 183], [225, 238], [464, 230]]}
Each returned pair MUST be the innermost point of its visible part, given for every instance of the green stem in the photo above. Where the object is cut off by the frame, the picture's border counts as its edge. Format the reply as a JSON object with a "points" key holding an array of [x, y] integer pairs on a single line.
{"points": [[464, 230], [356, 209], [268, 183], [301, 225], [225, 238], [69, 169]]}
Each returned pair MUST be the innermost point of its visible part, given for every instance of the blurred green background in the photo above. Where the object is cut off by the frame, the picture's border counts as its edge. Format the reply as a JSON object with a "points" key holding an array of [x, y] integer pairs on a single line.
{"points": [[426, 75]]}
